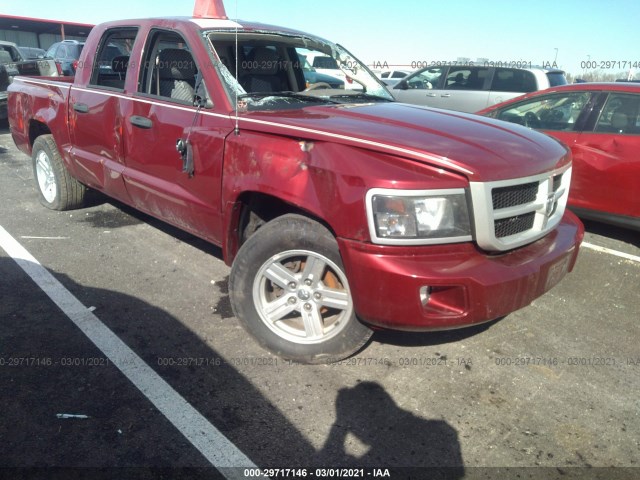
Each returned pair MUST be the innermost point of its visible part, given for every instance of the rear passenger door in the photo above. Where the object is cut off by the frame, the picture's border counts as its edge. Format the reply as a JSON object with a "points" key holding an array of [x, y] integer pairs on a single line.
{"points": [[606, 172], [95, 115]]}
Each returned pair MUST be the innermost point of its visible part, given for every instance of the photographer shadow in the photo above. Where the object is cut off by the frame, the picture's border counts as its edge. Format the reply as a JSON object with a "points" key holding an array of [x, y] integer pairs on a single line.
{"points": [[392, 437]]}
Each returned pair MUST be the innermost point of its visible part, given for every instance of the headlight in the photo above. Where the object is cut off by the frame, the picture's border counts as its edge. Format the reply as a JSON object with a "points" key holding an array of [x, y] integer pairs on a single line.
{"points": [[409, 217]]}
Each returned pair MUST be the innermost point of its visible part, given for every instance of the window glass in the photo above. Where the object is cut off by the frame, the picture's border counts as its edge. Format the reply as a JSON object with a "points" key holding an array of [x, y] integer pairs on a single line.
{"points": [[513, 80], [112, 62], [465, 78], [426, 80], [620, 115], [551, 112], [288, 71], [556, 78], [326, 63], [170, 70]]}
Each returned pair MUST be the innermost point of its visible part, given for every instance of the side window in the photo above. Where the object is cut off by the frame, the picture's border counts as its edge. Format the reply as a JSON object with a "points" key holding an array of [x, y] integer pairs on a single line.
{"points": [[5, 55], [111, 64], [552, 112], [426, 80], [620, 115], [465, 78], [169, 69], [513, 80]]}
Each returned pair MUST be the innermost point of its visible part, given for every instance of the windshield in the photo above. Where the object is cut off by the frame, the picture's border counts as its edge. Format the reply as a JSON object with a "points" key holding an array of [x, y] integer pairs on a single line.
{"points": [[280, 70]]}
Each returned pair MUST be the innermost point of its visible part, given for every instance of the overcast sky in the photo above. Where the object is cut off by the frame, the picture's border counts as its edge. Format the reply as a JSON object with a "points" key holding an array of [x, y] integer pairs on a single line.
{"points": [[405, 32]]}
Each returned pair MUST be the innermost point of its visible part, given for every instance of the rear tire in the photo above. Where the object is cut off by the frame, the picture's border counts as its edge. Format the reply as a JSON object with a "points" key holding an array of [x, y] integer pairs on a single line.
{"points": [[57, 189], [289, 290]]}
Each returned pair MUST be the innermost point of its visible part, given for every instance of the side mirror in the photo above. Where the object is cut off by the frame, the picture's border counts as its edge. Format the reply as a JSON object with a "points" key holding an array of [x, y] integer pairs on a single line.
{"points": [[201, 98], [202, 102]]}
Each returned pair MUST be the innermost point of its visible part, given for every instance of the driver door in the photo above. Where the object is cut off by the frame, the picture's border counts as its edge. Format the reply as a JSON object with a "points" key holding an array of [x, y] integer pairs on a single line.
{"points": [[158, 115]]}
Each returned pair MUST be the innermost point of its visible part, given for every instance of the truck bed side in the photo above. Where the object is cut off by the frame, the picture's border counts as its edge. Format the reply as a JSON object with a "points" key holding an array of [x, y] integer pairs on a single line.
{"points": [[39, 105]]}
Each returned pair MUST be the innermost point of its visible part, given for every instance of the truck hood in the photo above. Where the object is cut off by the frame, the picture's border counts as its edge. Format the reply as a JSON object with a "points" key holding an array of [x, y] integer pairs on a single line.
{"points": [[480, 148]]}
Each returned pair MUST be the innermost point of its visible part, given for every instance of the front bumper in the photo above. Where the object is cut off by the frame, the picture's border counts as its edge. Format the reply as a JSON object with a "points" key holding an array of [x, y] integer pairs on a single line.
{"points": [[451, 286]]}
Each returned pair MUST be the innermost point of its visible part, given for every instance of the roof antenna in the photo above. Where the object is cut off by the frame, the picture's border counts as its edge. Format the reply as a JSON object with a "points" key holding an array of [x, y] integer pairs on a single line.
{"points": [[236, 131]]}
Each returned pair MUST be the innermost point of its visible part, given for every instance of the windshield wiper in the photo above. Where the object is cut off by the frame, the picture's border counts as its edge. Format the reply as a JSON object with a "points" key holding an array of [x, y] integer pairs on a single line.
{"points": [[296, 95]]}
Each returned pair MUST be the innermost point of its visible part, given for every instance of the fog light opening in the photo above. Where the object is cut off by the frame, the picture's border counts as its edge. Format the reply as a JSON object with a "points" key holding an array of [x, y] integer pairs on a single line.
{"points": [[425, 295]]}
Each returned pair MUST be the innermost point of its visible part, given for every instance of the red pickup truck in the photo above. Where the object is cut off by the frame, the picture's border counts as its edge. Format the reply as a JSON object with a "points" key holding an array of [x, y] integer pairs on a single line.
{"points": [[339, 210]]}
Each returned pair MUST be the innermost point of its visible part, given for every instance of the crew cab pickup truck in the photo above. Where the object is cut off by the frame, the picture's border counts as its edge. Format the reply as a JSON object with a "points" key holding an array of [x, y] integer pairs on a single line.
{"points": [[13, 63], [339, 211]]}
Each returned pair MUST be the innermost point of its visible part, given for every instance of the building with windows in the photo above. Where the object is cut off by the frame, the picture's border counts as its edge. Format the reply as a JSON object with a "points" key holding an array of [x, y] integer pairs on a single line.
{"points": [[40, 33]]}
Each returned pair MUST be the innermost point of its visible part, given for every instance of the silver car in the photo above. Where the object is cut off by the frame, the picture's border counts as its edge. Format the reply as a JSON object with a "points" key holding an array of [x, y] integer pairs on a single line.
{"points": [[472, 88]]}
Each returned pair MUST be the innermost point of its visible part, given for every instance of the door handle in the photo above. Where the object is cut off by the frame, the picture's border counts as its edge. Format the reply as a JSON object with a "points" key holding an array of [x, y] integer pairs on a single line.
{"points": [[446, 95], [81, 107], [142, 122], [431, 95]]}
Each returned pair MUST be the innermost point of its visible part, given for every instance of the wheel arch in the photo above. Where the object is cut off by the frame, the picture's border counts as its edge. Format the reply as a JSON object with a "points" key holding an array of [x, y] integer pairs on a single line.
{"points": [[251, 210], [37, 129]]}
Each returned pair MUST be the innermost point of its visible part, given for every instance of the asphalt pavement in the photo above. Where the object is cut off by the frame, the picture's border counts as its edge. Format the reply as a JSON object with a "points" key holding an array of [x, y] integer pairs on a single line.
{"points": [[173, 387]]}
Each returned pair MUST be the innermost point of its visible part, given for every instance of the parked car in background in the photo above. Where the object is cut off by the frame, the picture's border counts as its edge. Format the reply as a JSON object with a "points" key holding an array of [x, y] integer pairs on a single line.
{"points": [[30, 53], [600, 122], [13, 63], [316, 80], [472, 88], [392, 77], [66, 55], [327, 65]]}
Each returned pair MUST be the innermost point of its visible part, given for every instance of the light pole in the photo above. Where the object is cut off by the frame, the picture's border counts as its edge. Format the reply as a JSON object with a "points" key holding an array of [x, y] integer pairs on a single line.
{"points": [[556, 57]]}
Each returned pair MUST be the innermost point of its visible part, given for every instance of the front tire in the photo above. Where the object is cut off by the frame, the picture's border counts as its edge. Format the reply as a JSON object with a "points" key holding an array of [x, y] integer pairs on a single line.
{"points": [[289, 290], [57, 189]]}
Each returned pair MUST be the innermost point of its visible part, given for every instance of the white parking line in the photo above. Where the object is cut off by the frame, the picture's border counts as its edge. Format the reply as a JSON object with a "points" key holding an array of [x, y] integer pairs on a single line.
{"points": [[609, 251], [215, 447]]}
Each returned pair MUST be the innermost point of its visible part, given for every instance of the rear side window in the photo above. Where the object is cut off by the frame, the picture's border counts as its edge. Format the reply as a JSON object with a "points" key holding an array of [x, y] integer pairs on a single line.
{"points": [[513, 80], [77, 50], [620, 115], [556, 78], [111, 64]]}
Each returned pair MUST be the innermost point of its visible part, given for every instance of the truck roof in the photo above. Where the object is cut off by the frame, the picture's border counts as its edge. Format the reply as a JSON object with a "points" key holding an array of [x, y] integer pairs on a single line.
{"points": [[209, 24]]}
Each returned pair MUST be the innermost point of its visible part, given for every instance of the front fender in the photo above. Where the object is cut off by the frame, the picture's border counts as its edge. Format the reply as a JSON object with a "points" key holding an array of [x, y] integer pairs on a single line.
{"points": [[328, 180]]}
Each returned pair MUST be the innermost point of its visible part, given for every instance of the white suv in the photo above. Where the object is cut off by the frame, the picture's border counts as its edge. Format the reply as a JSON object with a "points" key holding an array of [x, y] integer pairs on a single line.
{"points": [[472, 88]]}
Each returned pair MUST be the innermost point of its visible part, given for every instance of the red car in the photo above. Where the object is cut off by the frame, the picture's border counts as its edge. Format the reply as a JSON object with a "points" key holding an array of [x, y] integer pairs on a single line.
{"points": [[600, 122]]}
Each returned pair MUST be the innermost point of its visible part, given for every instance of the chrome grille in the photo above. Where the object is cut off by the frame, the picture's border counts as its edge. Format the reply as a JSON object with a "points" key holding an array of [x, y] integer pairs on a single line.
{"points": [[510, 226], [514, 195], [512, 213]]}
